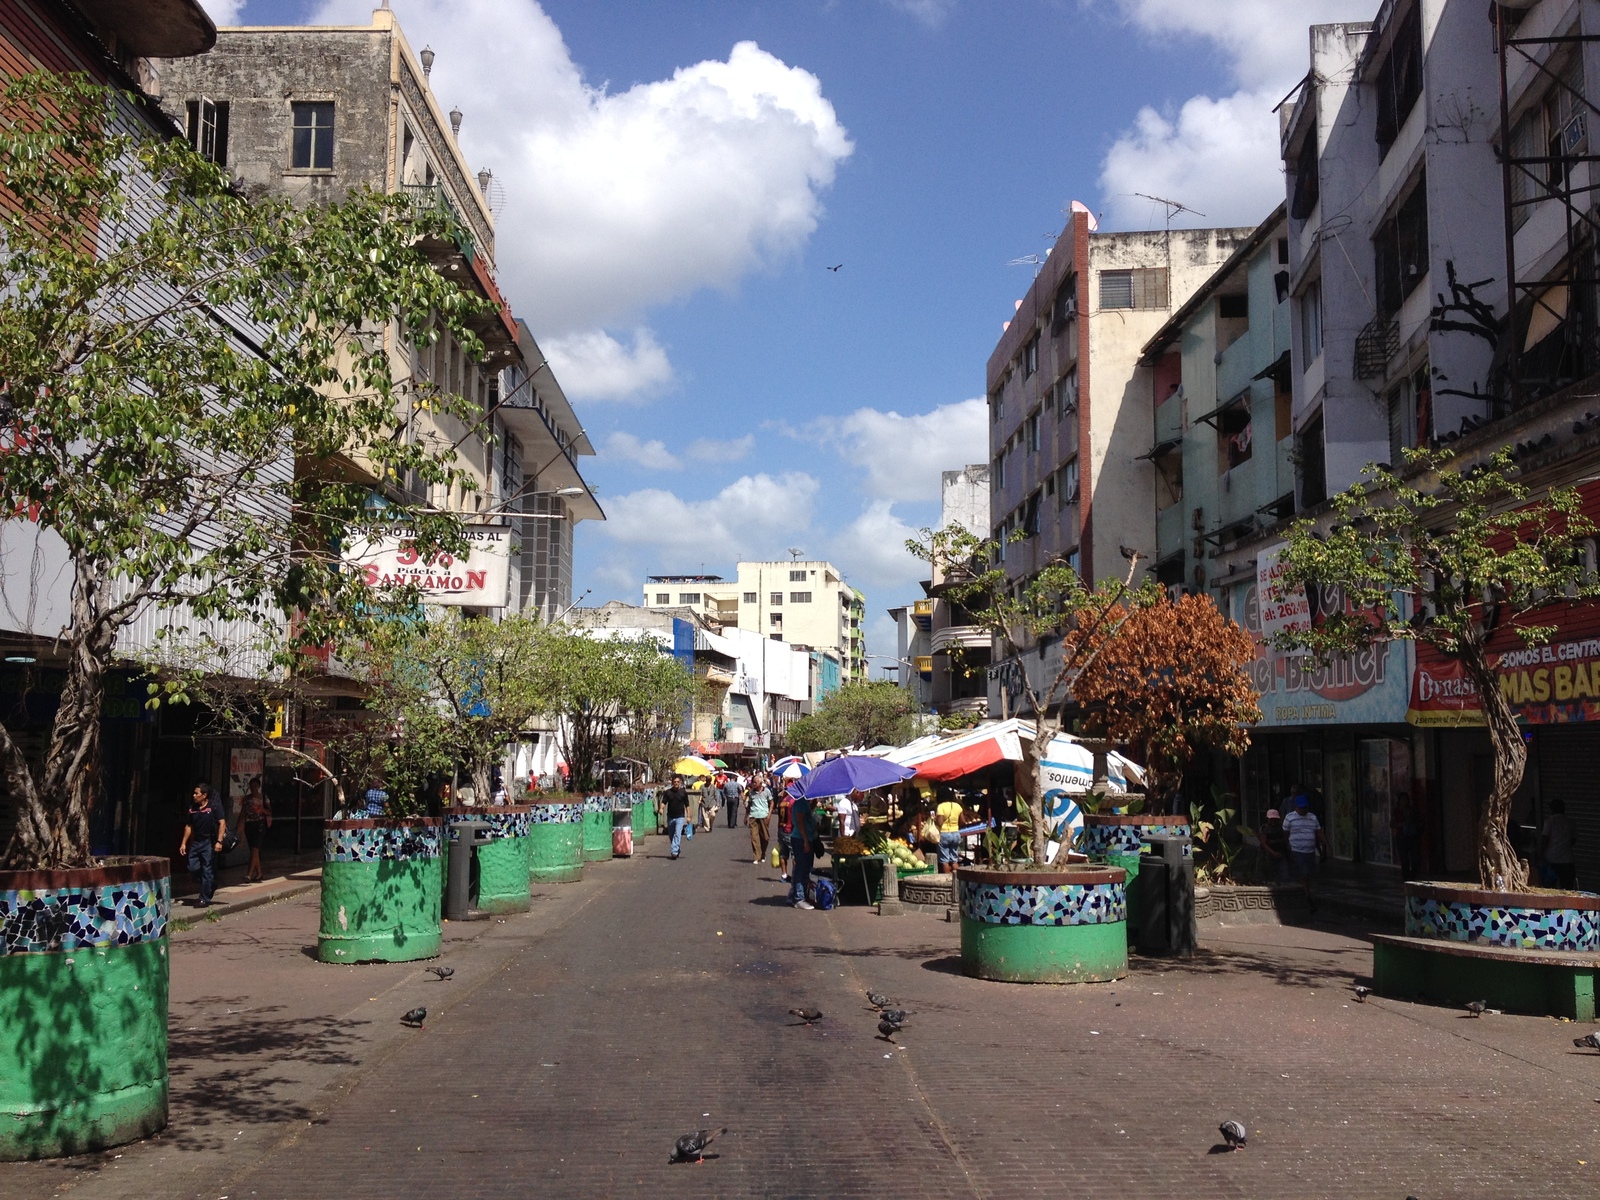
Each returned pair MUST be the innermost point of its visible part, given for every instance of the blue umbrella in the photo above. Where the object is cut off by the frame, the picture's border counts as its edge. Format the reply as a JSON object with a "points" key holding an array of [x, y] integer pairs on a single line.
{"points": [[852, 773]]}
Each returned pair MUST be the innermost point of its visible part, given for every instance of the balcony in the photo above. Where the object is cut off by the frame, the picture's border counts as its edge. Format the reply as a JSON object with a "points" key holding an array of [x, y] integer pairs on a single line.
{"points": [[966, 637], [922, 613]]}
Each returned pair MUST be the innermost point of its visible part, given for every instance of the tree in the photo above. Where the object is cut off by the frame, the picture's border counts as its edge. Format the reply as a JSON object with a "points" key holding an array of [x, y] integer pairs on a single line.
{"points": [[1445, 552], [169, 351], [1054, 609], [1173, 680], [870, 713]]}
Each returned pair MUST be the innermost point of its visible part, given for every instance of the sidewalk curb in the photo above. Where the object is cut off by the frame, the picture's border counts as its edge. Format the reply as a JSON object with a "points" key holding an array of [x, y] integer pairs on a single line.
{"points": [[217, 911]]}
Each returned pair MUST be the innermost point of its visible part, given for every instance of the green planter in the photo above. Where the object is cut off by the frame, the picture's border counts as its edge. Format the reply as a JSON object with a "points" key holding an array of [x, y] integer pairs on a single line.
{"points": [[596, 828], [644, 814], [1031, 926], [555, 842], [501, 866], [381, 890], [83, 1003]]}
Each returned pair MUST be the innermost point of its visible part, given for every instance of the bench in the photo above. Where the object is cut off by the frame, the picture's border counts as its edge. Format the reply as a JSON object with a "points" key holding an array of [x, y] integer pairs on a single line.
{"points": [[1559, 983]]}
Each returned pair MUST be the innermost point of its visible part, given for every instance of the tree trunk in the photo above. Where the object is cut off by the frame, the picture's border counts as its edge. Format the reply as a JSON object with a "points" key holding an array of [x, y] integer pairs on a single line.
{"points": [[1498, 865]]}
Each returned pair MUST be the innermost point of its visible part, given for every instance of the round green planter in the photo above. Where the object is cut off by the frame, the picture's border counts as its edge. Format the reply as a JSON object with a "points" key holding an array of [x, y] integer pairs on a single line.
{"points": [[502, 863], [381, 890], [644, 814], [555, 842], [596, 828], [1065, 926], [83, 1003]]}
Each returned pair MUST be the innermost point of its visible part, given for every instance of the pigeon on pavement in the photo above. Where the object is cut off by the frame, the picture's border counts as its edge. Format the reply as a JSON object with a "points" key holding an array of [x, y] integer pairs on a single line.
{"points": [[1477, 1007], [415, 1017], [896, 1015], [879, 1000], [691, 1147], [1233, 1133], [1362, 993], [808, 1015], [443, 972], [887, 1029], [1589, 1041]]}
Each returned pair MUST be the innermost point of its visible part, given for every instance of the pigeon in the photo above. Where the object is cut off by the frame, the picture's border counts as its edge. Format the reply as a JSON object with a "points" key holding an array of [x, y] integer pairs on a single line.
{"points": [[1477, 1007], [887, 1029], [1233, 1133], [1589, 1041], [1362, 993], [443, 972], [415, 1017], [896, 1016], [691, 1147], [879, 1000], [808, 1015]]}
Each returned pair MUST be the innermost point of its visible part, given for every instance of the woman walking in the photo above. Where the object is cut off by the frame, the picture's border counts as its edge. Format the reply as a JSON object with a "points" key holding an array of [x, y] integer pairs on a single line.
{"points": [[758, 815], [256, 814]]}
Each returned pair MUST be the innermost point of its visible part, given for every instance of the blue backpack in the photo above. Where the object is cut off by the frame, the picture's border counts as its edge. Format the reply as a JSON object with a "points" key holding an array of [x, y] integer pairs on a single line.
{"points": [[827, 893]]}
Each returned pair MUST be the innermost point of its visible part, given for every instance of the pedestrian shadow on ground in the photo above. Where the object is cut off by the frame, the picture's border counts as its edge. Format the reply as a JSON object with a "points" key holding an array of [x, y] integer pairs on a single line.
{"points": [[1337, 968], [772, 901]]}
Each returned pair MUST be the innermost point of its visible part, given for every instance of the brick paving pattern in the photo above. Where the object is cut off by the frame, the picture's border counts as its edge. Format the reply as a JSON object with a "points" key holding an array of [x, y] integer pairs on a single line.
{"points": [[578, 1041]]}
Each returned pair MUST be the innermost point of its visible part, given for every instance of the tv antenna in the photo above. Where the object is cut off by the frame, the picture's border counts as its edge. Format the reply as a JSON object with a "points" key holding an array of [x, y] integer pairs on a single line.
{"points": [[1028, 260], [794, 553], [1174, 207]]}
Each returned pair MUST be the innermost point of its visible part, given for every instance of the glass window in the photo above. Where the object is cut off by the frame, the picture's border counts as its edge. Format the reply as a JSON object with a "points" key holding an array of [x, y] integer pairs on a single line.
{"points": [[208, 129], [1116, 289], [688, 597], [1400, 250], [750, 597], [313, 135], [1311, 323], [775, 598], [799, 597], [663, 597], [797, 576], [775, 619], [1030, 357]]}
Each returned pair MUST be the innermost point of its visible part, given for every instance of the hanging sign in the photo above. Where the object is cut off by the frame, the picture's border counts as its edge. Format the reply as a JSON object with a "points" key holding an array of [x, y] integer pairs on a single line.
{"points": [[1284, 607], [481, 577]]}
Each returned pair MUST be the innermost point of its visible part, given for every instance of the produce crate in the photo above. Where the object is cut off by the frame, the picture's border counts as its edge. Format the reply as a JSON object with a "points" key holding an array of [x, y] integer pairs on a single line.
{"points": [[860, 878], [925, 870]]}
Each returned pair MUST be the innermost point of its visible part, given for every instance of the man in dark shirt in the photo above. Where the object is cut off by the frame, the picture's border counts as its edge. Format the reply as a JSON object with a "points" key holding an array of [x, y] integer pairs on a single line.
{"points": [[203, 831], [677, 801], [803, 837]]}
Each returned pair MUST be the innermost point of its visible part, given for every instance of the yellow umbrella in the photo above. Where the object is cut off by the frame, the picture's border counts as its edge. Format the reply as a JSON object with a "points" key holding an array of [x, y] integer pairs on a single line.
{"points": [[692, 766]]}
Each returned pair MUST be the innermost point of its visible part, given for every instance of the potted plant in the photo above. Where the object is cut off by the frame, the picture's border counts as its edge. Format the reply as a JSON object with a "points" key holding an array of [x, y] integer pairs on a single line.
{"points": [[166, 347]]}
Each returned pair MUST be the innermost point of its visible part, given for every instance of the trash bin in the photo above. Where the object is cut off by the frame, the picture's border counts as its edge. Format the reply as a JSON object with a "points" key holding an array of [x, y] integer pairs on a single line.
{"points": [[465, 837], [622, 832], [1166, 896]]}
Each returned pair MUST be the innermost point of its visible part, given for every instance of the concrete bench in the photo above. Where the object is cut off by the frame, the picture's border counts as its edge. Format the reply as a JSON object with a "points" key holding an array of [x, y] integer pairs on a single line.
{"points": [[1558, 983]]}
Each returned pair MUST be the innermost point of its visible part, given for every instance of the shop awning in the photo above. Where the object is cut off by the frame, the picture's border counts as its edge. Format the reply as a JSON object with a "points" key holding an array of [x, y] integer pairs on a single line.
{"points": [[939, 759]]}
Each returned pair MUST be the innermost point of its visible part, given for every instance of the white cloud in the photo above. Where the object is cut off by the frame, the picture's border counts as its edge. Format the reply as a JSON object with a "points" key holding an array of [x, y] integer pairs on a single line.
{"points": [[222, 12], [1219, 156], [746, 519], [904, 455], [652, 455], [619, 201], [932, 13], [593, 365], [871, 550], [730, 450]]}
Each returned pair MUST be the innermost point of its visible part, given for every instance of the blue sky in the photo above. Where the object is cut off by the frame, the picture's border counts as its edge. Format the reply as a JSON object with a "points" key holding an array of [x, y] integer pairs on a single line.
{"points": [[676, 194]]}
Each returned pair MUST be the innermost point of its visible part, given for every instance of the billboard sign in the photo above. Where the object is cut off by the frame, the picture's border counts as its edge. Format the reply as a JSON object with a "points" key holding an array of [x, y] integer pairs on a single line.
{"points": [[481, 577]]}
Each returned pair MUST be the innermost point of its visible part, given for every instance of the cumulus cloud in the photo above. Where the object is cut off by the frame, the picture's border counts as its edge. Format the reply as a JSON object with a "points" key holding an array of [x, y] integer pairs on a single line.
{"points": [[593, 365], [652, 455], [1217, 155], [932, 13], [871, 550], [729, 450], [902, 456], [746, 519], [222, 12], [619, 201]]}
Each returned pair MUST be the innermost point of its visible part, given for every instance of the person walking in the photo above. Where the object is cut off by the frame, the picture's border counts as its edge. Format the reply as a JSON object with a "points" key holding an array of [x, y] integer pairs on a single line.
{"points": [[948, 817], [803, 837], [677, 804], [1274, 848], [758, 815], [203, 830], [1557, 839], [256, 814], [732, 795], [785, 833], [1306, 843], [710, 796]]}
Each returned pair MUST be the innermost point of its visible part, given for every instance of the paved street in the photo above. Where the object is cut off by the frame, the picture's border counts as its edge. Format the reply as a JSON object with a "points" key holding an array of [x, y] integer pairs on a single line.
{"points": [[576, 1042]]}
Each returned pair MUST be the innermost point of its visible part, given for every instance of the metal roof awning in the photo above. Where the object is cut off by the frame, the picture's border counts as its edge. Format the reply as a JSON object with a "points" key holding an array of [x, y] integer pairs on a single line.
{"points": [[1162, 448], [1278, 371], [1215, 414]]}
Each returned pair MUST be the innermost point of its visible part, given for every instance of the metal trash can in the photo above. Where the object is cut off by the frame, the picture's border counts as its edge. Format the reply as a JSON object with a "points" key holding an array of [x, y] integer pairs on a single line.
{"points": [[458, 895], [622, 833], [1166, 896]]}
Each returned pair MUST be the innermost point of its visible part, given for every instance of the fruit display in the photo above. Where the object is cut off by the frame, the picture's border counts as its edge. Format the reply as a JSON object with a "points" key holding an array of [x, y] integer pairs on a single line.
{"points": [[904, 858], [849, 847]]}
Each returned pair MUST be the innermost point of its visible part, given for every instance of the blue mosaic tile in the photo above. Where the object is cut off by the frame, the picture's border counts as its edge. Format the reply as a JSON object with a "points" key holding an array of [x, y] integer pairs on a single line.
{"points": [[557, 814], [596, 804], [113, 914], [1523, 928], [385, 843], [1100, 840], [502, 824], [1064, 904]]}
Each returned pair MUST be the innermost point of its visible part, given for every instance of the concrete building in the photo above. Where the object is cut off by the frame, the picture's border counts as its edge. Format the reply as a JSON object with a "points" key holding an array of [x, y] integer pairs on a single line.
{"points": [[314, 112], [1070, 408], [803, 602]]}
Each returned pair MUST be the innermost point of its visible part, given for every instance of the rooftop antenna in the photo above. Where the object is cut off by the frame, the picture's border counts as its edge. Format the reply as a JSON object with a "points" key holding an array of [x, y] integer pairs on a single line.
{"points": [[1028, 260], [795, 552], [1173, 207]]}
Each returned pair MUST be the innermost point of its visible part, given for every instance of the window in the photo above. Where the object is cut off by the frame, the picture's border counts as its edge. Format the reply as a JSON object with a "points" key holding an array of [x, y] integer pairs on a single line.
{"points": [[1031, 432], [750, 597], [1410, 415], [688, 597], [1311, 323], [1234, 433], [1142, 287], [313, 136], [208, 129], [1399, 78], [1066, 304], [1067, 393], [774, 618], [663, 597], [797, 576], [1028, 519], [1400, 250], [1313, 468], [799, 597], [1233, 308], [775, 598], [1555, 129], [1030, 357], [999, 471], [1067, 487], [1307, 186], [997, 404]]}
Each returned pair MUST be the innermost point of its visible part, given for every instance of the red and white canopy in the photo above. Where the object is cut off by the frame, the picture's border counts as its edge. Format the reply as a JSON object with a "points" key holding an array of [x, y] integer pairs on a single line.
{"points": [[937, 758]]}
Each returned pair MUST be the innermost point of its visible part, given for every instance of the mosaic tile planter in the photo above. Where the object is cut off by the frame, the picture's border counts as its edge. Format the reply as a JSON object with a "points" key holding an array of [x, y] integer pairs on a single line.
{"points": [[502, 864], [1123, 833], [644, 814], [382, 884], [1525, 921], [555, 842], [83, 1003], [596, 828], [1044, 926]]}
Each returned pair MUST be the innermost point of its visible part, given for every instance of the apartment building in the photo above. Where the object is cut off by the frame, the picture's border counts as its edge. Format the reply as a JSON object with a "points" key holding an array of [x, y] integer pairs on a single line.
{"points": [[1070, 408], [804, 603], [314, 112]]}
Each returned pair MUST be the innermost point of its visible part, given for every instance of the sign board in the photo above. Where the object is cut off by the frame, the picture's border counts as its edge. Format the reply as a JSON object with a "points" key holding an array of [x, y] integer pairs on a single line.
{"points": [[480, 578], [244, 768], [1284, 607], [1553, 683]]}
